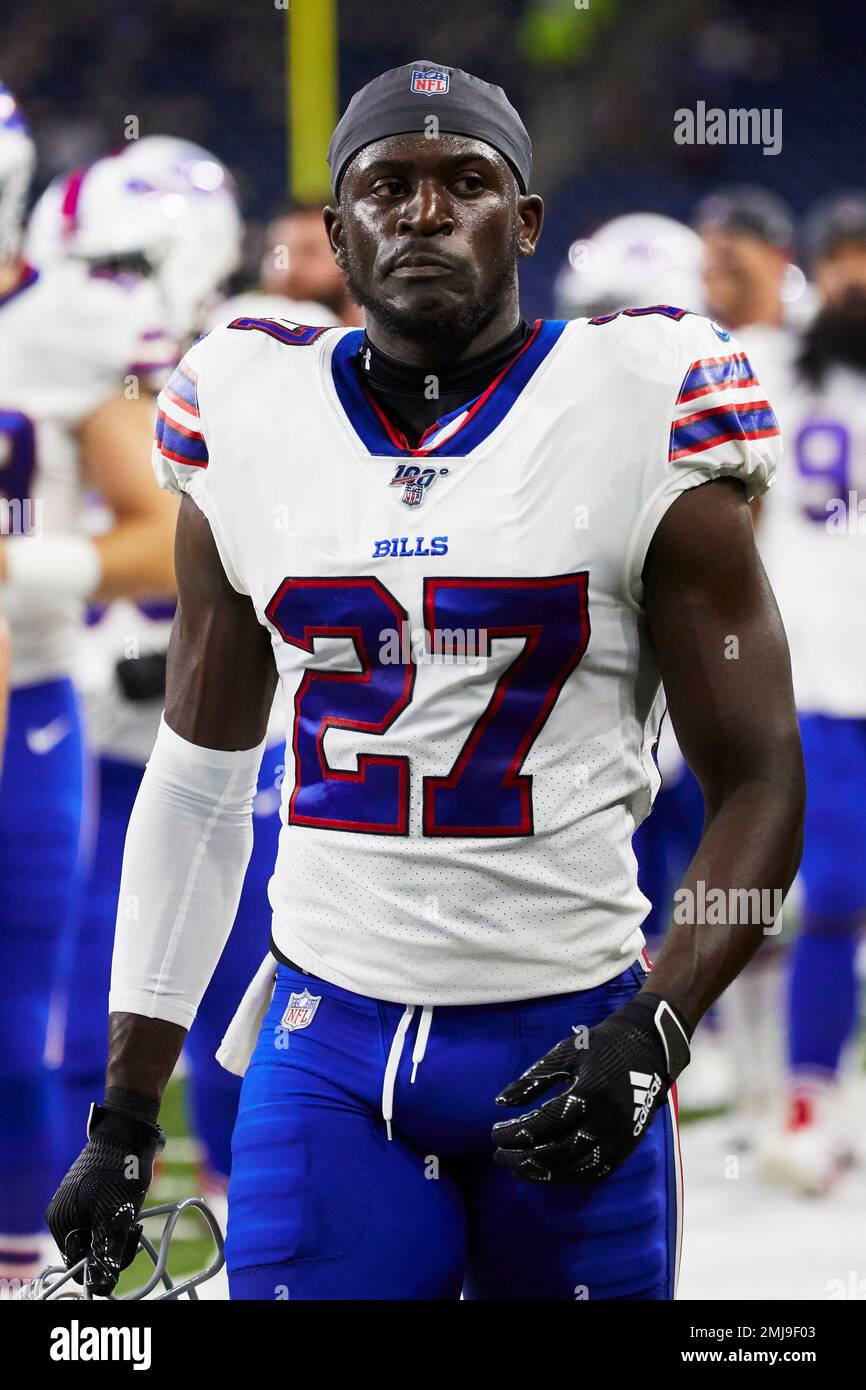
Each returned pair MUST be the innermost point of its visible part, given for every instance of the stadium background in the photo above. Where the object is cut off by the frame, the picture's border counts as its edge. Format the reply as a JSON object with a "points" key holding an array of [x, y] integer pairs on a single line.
{"points": [[598, 87]]}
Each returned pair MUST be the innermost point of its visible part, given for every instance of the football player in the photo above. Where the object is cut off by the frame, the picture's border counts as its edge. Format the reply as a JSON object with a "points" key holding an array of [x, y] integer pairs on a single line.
{"points": [[188, 248], [169, 208], [80, 350], [813, 538], [469, 546], [748, 236], [752, 286]]}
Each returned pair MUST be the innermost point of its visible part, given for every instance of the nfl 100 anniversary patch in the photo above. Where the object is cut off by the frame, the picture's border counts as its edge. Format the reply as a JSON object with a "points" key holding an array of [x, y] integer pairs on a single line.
{"points": [[414, 481], [300, 1010]]}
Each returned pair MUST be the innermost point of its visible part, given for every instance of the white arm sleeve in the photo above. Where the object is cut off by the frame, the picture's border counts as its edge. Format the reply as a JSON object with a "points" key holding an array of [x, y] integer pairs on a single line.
{"points": [[187, 848]]}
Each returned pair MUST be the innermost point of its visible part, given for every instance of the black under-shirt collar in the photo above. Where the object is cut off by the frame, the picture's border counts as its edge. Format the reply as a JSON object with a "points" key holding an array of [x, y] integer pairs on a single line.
{"points": [[468, 378]]}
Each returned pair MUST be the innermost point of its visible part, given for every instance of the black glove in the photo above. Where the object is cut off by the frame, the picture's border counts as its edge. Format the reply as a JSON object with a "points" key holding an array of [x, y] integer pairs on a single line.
{"points": [[95, 1209], [617, 1076]]}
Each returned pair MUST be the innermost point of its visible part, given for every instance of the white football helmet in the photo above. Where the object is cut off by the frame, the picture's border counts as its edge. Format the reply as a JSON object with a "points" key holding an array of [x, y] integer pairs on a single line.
{"points": [[642, 258], [17, 161], [162, 201]]}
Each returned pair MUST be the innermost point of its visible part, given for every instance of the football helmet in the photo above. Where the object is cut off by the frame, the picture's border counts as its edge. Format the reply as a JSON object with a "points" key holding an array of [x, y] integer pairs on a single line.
{"points": [[162, 205], [17, 161], [58, 1282], [642, 258]]}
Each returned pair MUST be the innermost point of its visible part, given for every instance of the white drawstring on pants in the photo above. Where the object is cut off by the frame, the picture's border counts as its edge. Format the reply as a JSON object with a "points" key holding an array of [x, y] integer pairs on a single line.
{"points": [[396, 1052]]}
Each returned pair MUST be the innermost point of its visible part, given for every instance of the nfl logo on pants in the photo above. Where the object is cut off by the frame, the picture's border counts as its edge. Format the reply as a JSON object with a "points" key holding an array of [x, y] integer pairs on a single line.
{"points": [[300, 1010]]}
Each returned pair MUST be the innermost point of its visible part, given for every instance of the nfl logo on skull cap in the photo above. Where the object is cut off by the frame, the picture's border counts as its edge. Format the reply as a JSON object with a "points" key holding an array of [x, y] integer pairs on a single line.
{"points": [[428, 81], [300, 1010]]}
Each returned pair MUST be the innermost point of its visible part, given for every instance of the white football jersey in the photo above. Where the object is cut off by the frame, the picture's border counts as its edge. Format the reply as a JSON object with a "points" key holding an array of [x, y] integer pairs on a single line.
{"points": [[68, 340], [812, 531], [469, 682]]}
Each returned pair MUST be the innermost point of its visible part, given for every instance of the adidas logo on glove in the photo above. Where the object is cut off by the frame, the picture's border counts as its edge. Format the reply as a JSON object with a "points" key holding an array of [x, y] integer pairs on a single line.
{"points": [[646, 1088]]}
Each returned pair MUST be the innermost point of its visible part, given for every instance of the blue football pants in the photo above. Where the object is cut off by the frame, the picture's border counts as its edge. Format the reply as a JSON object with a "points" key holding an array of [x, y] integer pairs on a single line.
{"points": [[40, 822], [323, 1205], [822, 1000]]}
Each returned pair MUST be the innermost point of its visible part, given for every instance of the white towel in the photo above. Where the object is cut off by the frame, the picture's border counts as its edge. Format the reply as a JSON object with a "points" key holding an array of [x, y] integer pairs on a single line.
{"points": [[242, 1034]]}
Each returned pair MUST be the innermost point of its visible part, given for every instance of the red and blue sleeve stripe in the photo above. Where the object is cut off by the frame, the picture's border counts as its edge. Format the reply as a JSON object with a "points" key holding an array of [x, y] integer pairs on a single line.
{"points": [[182, 388], [179, 444], [716, 374], [722, 424]]}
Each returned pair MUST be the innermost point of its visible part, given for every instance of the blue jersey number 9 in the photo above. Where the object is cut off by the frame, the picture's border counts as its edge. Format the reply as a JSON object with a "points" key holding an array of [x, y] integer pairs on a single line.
{"points": [[822, 449]]}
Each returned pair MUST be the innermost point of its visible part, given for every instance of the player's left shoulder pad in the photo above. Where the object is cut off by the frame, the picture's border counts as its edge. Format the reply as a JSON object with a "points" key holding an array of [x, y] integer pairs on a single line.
{"points": [[647, 343]]}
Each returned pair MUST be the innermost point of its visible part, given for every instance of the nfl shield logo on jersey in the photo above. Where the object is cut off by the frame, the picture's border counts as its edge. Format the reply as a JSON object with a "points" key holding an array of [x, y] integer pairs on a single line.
{"points": [[428, 81], [413, 494], [300, 1010]]}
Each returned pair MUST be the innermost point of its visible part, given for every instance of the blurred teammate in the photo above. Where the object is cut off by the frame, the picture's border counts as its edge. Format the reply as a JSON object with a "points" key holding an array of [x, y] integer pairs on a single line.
{"points": [[641, 258], [167, 208], [748, 235], [297, 264], [753, 286], [79, 347], [298, 279], [188, 255], [456, 915], [813, 538]]}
